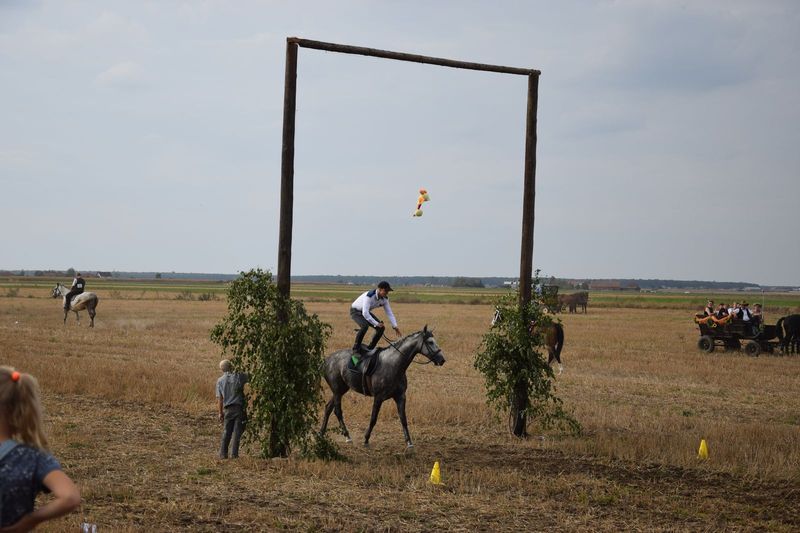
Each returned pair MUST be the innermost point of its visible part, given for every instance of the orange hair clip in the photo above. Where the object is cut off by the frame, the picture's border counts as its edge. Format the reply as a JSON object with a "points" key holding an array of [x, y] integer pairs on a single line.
{"points": [[15, 376]]}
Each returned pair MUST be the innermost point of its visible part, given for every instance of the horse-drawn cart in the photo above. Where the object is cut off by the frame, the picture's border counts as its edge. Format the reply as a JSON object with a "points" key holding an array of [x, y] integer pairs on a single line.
{"points": [[736, 335]]}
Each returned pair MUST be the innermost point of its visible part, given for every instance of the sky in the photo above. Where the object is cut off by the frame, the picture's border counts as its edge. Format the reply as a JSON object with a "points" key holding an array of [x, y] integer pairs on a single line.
{"points": [[146, 136]]}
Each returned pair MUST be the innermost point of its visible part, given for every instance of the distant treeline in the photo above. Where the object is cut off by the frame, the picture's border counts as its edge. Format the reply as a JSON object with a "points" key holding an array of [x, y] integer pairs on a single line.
{"points": [[434, 281], [653, 284]]}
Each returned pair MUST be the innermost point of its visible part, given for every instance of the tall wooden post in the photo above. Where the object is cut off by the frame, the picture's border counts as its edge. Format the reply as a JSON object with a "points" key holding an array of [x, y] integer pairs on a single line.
{"points": [[277, 445], [287, 170], [520, 400]]}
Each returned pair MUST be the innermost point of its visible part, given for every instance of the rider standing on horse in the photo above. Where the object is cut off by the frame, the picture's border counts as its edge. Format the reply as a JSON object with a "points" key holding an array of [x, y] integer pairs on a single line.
{"points": [[77, 288], [361, 313]]}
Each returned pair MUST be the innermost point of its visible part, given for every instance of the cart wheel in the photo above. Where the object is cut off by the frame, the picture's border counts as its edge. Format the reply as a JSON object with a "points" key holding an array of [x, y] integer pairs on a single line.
{"points": [[752, 348], [706, 343]]}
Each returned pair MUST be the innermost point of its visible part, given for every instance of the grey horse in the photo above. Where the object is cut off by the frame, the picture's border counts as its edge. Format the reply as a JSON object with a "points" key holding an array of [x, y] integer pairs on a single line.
{"points": [[79, 302], [387, 381]]}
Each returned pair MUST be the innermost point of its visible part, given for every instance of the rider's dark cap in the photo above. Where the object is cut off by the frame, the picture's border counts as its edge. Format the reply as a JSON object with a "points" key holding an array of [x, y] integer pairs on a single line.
{"points": [[385, 285]]}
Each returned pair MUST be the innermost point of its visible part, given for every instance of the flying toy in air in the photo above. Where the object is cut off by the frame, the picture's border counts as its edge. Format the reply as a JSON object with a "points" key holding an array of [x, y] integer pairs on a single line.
{"points": [[423, 197]]}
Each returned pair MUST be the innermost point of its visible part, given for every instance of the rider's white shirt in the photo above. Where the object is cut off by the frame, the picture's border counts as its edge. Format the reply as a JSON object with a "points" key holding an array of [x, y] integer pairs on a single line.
{"points": [[366, 303]]}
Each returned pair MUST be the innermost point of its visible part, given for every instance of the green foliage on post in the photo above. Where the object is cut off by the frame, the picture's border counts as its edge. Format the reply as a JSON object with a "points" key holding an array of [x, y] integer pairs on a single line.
{"points": [[511, 361], [281, 347]]}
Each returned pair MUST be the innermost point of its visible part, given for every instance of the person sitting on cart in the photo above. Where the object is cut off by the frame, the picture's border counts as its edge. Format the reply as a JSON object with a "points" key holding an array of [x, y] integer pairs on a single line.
{"points": [[734, 310], [757, 318], [747, 317], [722, 311], [744, 312], [709, 310]]}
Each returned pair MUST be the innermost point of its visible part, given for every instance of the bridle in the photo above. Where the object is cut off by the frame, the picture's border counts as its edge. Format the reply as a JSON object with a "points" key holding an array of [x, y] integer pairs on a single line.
{"points": [[425, 337]]}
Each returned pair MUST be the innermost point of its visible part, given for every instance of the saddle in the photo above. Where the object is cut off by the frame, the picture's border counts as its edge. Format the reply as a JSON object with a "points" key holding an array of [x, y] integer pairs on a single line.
{"points": [[364, 366]]}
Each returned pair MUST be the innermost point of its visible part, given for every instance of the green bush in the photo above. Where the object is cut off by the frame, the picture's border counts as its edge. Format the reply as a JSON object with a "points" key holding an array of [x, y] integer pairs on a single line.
{"points": [[281, 347], [516, 374]]}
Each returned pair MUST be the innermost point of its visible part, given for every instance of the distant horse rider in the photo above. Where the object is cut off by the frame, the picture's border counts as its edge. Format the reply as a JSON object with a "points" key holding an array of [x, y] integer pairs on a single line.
{"points": [[361, 313], [77, 288]]}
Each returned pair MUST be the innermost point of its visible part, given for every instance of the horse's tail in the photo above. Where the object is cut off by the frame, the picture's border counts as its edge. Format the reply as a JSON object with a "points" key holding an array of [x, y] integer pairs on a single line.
{"points": [[559, 339], [779, 329]]}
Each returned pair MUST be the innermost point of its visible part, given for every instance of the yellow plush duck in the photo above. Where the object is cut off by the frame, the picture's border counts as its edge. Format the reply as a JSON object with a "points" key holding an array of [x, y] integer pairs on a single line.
{"points": [[423, 197]]}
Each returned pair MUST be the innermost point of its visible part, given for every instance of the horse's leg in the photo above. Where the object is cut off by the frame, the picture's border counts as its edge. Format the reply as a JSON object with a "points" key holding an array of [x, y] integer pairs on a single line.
{"points": [[376, 408], [337, 408], [400, 401], [66, 312], [91, 316], [78, 317], [554, 357], [328, 411]]}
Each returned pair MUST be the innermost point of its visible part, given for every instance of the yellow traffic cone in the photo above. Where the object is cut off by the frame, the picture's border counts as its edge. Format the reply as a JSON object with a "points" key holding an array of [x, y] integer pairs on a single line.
{"points": [[702, 453], [436, 474]]}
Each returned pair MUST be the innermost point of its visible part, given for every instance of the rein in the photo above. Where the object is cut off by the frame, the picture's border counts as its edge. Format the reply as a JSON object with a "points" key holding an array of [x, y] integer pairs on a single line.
{"points": [[429, 361]]}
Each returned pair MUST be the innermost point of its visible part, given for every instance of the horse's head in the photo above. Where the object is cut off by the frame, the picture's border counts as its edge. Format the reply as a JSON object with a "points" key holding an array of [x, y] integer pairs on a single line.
{"points": [[56, 292], [430, 349]]}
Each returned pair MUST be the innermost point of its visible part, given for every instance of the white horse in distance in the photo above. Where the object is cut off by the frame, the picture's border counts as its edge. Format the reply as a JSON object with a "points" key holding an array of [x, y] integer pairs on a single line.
{"points": [[84, 301]]}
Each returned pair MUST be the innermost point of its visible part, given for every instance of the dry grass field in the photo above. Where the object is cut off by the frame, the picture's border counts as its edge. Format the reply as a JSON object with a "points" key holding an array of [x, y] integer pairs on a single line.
{"points": [[131, 415]]}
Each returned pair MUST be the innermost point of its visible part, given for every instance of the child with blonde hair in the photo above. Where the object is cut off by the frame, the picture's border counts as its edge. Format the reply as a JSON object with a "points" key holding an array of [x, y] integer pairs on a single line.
{"points": [[26, 468]]}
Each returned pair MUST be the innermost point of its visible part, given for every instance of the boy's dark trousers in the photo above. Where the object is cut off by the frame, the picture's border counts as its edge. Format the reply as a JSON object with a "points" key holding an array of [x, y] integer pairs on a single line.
{"points": [[359, 319], [233, 425]]}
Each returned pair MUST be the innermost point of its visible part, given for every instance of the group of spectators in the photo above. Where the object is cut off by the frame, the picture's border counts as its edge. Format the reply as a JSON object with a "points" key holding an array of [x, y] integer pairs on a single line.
{"points": [[738, 311]]}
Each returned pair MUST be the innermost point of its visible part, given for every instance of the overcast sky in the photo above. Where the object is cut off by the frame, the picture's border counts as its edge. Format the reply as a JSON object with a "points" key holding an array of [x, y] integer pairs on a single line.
{"points": [[146, 136]]}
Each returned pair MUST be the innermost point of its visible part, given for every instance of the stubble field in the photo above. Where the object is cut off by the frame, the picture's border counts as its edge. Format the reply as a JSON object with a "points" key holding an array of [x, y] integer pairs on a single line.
{"points": [[131, 415]]}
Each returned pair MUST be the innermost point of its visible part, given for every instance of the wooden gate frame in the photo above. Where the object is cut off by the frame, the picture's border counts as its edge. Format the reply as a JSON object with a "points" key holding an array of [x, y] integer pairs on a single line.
{"points": [[287, 163]]}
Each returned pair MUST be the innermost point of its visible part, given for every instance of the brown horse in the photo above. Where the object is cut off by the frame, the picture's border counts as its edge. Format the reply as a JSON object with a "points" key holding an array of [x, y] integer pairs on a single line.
{"points": [[553, 340], [788, 330], [572, 301]]}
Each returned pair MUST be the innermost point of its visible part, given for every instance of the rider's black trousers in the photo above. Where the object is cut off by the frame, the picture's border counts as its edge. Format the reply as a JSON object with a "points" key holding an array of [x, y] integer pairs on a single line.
{"points": [[359, 319], [70, 295]]}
